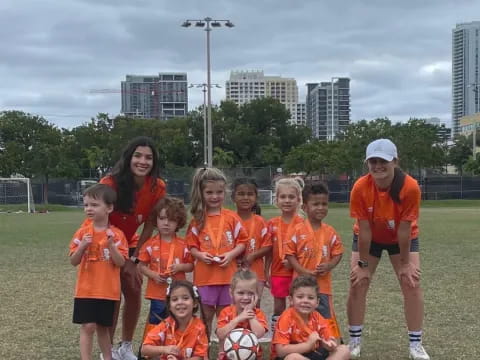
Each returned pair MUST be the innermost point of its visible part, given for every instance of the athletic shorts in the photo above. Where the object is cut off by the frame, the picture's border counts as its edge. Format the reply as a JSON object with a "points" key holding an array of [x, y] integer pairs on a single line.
{"points": [[325, 306], [280, 286], [215, 295], [158, 311], [320, 354], [376, 249], [98, 311]]}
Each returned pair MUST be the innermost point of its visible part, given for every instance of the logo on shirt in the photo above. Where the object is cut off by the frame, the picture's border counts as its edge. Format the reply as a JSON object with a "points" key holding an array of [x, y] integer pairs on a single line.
{"points": [[188, 352], [229, 237], [303, 237], [252, 244], [325, 251], [391, 224], [106, 254]]}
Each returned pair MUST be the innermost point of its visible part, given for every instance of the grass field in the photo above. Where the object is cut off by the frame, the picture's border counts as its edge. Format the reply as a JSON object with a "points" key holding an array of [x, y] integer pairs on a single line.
{"points": [[36, 286]]}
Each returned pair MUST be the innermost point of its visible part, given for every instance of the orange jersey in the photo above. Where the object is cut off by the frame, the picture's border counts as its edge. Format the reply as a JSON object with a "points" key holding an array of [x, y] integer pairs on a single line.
{"points": [[291, 329], [226, 229], [192, 342], [312, 248], [230, 312], [280, 233], [367, 202], [259, 237], [157, 253], [97, 276], [144, 201]]}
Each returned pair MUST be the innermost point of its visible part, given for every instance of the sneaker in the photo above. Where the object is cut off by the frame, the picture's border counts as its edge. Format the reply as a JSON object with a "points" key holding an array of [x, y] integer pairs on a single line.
{"points": [[214, 338], [115, 355], [355, 350], [125, 351], [417, 352], [265, 338]]}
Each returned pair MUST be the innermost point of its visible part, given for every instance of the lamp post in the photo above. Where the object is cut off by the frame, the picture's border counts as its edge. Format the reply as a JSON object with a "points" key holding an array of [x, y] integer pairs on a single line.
{"points": [[204, 90], [208, 23], [333, 108]]}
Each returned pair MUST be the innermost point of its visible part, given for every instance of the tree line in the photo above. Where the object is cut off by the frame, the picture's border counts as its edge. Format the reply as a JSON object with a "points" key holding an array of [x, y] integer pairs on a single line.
{"points": [[256, 134]]}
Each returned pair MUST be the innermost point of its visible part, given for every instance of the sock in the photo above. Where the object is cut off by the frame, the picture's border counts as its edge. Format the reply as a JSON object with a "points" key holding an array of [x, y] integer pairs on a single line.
{"points": [[355, 334], [273, 323], [415, 338]]}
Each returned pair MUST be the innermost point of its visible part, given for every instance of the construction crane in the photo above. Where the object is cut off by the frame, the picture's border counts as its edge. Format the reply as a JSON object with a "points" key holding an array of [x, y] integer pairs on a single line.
{"points": [[153, 92]]}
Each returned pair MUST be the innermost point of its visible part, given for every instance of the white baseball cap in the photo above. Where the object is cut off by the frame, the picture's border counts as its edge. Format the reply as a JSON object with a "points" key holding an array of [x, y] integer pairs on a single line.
{"points": [[383, 149]]}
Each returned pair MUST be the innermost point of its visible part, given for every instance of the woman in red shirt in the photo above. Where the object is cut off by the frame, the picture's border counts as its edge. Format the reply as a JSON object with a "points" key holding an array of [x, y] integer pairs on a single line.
{"points": [[385, 204], [135, 178]]}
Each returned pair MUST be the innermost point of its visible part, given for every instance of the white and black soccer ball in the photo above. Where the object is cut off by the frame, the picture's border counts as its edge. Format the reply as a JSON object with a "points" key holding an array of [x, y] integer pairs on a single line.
{"points": [[241, 344]]}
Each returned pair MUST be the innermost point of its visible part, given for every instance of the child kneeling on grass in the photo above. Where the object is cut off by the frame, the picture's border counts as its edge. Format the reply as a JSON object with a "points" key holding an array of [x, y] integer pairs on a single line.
{"points": [[301, 332]]}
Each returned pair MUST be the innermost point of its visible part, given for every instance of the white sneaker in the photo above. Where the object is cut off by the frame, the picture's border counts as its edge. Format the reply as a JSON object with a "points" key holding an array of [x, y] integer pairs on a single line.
{"points": [[214, 338], [417, 352], [125, 351], [355, 350], [115, 355]]}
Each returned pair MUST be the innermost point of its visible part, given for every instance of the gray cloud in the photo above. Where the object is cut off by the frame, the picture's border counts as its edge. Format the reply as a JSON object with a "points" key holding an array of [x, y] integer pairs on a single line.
{"points": [[396, 52]]}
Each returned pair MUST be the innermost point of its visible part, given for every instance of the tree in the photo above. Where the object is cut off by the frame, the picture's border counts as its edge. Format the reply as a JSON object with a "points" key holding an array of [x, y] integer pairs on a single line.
{"points": [[473, 166], [459, 152]]}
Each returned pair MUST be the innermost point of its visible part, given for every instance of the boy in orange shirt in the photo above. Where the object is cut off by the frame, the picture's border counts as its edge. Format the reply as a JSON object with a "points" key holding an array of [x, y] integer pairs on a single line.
{"points": [[165, 257], [301, 332], [315, 248], [100, 249]]}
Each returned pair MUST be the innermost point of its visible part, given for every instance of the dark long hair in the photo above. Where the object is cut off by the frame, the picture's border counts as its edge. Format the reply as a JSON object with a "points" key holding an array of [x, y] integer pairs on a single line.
{"points": [[397, 184], [123, 176], [256, 209]]}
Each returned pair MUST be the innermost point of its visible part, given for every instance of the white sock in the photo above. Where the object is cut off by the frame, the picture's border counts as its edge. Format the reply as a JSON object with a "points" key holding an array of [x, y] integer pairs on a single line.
{"points": [[415, 337], [355, 334], [274, 323]]}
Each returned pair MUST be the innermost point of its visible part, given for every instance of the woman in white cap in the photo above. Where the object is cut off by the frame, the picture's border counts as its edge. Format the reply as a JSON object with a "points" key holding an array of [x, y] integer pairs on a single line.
{"points": [[385, 204]]}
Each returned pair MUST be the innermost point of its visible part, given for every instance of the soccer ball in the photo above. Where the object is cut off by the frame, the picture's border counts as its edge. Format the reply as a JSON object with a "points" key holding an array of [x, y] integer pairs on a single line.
{"points": [[241, 344]]}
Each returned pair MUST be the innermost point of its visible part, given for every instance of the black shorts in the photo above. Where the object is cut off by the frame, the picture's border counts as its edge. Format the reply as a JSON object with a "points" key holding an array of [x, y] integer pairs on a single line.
{"points": [[98, 311], [320, 354], [376, 249]]}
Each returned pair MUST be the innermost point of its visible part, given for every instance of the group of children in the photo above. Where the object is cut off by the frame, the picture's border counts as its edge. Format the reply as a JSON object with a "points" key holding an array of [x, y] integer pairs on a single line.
{"points": [[233, 256]]}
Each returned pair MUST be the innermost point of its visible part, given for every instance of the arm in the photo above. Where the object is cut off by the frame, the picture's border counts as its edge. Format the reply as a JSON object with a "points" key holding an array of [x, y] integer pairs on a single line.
{"points": [[117, 258], [256, 327], [184, 267], [223, 331], [231, 255], [250, 258], [324, 268], [297, 267], [150, 273], [301, 348], [358, 274], [76, 257], [146, 234], [153, 350], [201, 255]]}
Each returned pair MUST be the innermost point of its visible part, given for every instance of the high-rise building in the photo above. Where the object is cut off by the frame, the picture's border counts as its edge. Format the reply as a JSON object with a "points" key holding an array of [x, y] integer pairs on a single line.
{"points": [[328, 107], [465, 72], [155, 97], [245, 86], [301, 114]]}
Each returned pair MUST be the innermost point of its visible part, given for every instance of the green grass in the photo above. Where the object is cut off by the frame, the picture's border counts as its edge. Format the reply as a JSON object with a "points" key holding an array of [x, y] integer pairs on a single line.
{"points": [[37, 280]]}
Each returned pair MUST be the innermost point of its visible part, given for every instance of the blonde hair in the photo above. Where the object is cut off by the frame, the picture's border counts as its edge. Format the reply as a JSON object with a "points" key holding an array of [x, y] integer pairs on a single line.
{"points": [[296, 183], [200, 179], [242, 275]]}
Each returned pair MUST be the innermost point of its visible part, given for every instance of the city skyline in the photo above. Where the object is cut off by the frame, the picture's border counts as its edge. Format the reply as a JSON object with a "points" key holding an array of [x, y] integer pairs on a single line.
{"points": [[397, 54]]}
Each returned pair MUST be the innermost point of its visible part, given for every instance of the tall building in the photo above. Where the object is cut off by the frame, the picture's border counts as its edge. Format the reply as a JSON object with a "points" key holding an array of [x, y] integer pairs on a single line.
{"points": [[155, 97], [301, 114], [328, 107], [245, 86], [465, 72]]}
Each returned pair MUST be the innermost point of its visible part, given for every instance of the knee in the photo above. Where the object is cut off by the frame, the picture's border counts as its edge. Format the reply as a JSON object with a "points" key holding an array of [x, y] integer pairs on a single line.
{"points": [[360, 290], [294, 356], [89, 328], [411, 292], [343, 351]]}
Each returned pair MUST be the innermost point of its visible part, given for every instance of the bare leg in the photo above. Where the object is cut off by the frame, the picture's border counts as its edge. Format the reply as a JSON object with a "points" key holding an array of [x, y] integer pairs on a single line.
{"points": [[104, 342], [279, 305], [86, 340], [208, 313], [340, 353]]}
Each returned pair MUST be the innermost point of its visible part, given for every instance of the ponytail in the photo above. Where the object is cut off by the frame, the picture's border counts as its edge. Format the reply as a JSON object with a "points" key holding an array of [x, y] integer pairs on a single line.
{"points": [[397, 184]]}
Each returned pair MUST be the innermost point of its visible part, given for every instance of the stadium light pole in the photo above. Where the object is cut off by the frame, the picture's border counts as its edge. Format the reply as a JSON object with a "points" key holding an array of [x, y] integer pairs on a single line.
{"points": [[207, 24], [333, 119], [205, 145]]}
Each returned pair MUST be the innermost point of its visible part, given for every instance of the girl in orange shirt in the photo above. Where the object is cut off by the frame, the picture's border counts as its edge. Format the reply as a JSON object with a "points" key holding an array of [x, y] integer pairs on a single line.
{"points": [[181, 335], [244, 195], [288, 198], [215, 238]]}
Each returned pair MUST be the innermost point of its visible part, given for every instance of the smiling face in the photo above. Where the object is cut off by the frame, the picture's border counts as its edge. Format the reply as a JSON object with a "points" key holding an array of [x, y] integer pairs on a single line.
{"points": [[304, 300], [243, 294], [181, 304], [245, 197], [141, 163], [213, 195], [382, 171], [316, 207], [287, 199]]}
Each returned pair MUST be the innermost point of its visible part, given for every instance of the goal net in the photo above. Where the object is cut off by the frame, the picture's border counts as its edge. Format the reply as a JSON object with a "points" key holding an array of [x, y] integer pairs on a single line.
{"points": [[16, 195]]}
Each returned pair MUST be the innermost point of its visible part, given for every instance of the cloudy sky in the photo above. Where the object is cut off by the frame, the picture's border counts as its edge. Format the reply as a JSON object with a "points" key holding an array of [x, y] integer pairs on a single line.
{"points": [[397, 53]]}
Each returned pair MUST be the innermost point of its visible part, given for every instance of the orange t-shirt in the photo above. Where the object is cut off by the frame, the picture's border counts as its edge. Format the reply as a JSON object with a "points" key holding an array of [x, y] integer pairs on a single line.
{"points": [[291, 329], [156, 253], [230, 312], [259, 237], [230, 235], [97, 276], [367, 202], [145, 200], [313, 247], [280, 232], [192, 342]]}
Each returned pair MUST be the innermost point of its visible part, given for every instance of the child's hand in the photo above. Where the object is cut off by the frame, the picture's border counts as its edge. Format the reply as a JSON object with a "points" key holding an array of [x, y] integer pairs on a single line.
{"points": [[174, 268], [246, 314], [171, 350], [330, 344], [323, 269], [313, 338], [110, 237], [86, 241], [225, 259], [205, 257], [253, 302], [247, 261], [159, 279], [171, 357], [286, 264]]}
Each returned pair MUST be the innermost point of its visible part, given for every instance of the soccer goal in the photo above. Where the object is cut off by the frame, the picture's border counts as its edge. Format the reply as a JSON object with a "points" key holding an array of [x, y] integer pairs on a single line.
{"points": [[16, 195]]}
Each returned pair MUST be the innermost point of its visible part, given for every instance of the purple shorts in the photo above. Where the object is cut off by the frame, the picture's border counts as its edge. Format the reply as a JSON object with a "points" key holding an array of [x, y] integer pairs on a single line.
{"points": [[215, 295]]}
